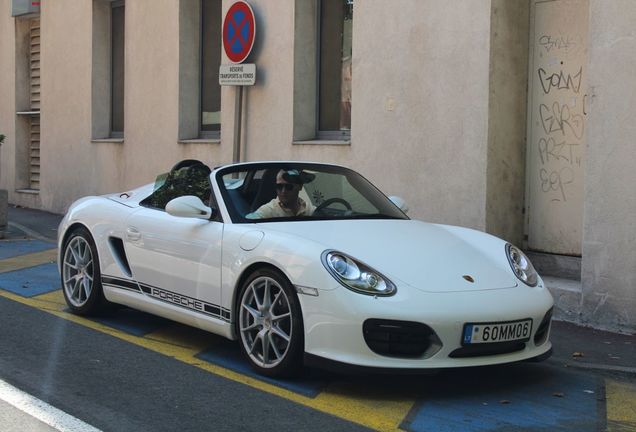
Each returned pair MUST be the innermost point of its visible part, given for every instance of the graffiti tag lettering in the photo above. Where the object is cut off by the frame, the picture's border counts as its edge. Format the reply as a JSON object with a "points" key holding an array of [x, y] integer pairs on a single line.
{"points": [[560, 80], [558, 43], [559, 119], [550, 150], [555, 181]]}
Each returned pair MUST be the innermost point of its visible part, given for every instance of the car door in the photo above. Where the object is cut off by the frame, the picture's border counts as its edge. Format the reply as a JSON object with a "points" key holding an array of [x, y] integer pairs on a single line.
{"points": [[177, 260]]}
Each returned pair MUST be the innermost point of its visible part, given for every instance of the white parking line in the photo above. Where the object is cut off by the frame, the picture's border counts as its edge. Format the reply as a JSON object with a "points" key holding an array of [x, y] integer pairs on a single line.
{"points": [[42, 411]]}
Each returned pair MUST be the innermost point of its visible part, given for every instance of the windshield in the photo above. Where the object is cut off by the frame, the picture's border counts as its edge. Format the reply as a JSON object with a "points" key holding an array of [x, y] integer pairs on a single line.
{"points": [[271, 192]]}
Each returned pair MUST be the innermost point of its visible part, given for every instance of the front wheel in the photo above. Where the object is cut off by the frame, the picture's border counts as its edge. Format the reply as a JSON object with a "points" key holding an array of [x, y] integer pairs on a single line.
{"points": [[270, 324], [81, 276]]}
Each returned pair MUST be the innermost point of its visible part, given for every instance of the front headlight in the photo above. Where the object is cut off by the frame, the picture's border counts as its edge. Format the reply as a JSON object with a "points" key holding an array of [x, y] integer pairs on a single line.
{"points": [[357, 276], [521, 265]]}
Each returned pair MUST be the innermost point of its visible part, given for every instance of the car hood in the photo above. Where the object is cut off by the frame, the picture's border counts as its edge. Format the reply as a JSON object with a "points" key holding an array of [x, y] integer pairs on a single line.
{"points": [[429, 257]]}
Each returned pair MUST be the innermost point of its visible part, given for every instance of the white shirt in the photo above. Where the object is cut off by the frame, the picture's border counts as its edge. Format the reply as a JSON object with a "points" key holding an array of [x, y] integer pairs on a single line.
{"points": [[275, 209]]}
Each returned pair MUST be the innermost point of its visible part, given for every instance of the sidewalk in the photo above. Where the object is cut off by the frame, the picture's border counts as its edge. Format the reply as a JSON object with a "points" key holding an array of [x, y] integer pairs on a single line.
{"points": [[34, 224], [573, 345]]}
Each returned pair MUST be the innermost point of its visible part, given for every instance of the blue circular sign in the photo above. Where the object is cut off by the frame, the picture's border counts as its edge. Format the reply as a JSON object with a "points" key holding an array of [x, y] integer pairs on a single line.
{"points": [[239, 28]]}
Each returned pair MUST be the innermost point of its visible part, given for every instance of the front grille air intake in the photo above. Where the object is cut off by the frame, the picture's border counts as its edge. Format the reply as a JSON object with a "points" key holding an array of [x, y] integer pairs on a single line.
{"points": [[394, 338]]}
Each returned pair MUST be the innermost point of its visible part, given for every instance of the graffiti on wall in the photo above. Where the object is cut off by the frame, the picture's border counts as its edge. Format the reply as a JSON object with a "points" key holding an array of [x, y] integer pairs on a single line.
{"points": [[557, 131], [561, 115]]}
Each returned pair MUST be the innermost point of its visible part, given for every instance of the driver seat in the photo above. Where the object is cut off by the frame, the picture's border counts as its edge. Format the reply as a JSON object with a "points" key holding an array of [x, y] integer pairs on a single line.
{"points": [[266, 188]]}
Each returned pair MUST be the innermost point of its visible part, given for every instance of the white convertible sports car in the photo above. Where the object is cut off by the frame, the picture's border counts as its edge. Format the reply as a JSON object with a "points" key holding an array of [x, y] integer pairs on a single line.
{"points": [[305, 261]]}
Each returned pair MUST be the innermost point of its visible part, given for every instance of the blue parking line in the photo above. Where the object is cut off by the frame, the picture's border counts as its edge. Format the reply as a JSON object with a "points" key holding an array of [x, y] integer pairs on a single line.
{"points": [[13, 248], [31, 281], [565, 402], [227, 354], [131, 321]]}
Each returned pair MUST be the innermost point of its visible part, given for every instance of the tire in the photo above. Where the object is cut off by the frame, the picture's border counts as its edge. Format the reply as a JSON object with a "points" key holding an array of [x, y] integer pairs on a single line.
{"points": [[270, 325], [81, 276]]}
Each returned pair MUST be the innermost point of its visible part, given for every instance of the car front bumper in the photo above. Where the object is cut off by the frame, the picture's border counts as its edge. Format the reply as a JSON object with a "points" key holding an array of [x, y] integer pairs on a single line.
{"points": [[334, 321]]}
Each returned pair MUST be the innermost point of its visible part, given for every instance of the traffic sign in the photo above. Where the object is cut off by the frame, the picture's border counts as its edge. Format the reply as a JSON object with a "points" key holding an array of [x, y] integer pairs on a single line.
{"points": [[239, 29]]}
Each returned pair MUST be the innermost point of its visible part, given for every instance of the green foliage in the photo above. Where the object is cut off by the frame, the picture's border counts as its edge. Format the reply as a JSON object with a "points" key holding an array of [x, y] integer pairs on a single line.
{"points": [[193, 180], [2, 137]]}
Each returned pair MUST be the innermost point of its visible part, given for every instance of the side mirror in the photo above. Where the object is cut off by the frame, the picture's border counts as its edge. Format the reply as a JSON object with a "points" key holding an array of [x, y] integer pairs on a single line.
{"points": [[189, 206], [399, 203]]}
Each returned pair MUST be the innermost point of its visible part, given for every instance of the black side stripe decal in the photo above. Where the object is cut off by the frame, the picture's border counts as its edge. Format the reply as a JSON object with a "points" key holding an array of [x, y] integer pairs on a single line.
{"points": [[120, 283], [170, 297]]}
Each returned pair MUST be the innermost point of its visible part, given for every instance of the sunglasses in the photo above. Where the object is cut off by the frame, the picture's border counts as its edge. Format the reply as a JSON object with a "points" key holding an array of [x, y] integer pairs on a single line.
{"points": [[284, 186]]}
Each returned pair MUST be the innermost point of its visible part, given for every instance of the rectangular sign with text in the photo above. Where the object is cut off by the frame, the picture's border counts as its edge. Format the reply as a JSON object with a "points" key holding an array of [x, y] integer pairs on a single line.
{"points": [[237, 74]]}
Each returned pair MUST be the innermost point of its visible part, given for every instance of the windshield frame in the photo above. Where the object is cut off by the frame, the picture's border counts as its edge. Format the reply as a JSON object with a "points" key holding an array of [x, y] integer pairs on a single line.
{"points": [[378, 199]]}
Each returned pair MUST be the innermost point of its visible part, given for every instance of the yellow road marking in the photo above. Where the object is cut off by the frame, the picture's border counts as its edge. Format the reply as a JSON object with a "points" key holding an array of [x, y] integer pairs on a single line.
{"points": [[620, 406], [53, 296], [380, 409], [29, 260], [368, 407], [182, 338]]}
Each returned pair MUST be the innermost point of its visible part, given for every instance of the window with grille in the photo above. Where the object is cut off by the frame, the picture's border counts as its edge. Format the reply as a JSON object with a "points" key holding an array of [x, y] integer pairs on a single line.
{"points": [[117, 69], [34, 104]]}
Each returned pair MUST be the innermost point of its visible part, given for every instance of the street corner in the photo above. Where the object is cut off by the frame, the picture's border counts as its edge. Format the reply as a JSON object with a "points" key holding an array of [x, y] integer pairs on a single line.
{"points": [[27, 267]]}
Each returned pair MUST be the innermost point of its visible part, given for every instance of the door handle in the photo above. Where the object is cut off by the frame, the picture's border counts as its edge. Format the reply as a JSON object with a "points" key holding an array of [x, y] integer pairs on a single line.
{"points": [[133, 234]]}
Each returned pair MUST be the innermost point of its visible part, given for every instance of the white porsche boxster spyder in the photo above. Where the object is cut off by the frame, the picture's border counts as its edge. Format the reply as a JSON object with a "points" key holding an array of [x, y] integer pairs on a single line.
{"points": [[304, 263]]}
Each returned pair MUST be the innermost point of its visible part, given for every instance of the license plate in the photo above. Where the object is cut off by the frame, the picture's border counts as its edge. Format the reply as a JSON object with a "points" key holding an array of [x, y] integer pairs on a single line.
{"points": [[475, 333]]}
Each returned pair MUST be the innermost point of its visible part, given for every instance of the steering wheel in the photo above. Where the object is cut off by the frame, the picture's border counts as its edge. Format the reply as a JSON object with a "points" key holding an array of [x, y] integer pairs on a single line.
{"points": [[330, 201]]}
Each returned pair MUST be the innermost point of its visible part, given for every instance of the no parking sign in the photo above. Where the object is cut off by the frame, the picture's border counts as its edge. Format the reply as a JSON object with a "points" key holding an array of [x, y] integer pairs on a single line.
{"points": [[239, 29]]}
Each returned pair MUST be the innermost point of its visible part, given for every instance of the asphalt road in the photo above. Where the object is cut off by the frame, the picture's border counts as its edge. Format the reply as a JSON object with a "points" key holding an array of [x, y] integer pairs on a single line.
{"points": [[117, 386]]}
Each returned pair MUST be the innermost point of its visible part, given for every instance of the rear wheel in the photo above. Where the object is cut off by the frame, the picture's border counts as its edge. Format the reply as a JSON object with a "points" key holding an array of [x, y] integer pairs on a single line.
{"points": [[270, 324], [81, 276]]}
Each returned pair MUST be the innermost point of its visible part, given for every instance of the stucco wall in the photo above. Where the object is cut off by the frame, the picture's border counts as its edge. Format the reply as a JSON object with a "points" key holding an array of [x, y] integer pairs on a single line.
{"points": [[609, 254], [420, 88], [65, 146], [509, 27]]}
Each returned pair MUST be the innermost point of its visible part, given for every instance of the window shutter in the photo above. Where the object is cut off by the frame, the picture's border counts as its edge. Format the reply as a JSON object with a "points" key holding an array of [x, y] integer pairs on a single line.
{"points": [[34, 123]]}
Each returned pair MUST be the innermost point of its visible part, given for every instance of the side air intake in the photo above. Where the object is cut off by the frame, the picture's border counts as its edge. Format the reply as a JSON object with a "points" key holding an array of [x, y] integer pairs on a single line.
{"points": [[117, 249]]}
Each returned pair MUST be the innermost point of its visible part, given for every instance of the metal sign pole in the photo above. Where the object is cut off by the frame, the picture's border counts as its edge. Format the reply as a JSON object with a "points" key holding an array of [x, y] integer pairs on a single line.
{"points": [[238, 120], [239, 32]]}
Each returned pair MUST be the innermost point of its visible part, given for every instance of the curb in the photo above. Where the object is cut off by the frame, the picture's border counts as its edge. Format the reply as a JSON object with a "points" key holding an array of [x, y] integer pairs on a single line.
{"points": [[593, 366]]}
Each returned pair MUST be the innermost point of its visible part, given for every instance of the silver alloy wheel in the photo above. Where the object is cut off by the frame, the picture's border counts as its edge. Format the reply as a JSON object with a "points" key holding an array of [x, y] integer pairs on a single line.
{"points": [[265, 322], [78, 271]]}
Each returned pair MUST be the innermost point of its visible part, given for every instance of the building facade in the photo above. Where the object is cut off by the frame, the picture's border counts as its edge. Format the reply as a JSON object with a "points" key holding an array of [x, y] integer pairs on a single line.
{"points": [[513, 117]]}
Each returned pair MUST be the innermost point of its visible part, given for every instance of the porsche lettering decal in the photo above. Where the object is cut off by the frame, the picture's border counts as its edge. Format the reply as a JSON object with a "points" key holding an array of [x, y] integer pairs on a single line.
{"points": [[188, 302]]}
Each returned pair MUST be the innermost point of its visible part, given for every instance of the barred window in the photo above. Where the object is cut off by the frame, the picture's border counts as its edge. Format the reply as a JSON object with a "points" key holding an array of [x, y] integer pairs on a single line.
{"points": [[117, 69]]}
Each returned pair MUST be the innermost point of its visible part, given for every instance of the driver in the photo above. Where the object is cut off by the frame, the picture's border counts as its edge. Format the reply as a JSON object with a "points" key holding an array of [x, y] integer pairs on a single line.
{"points": [[287, 202]]}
